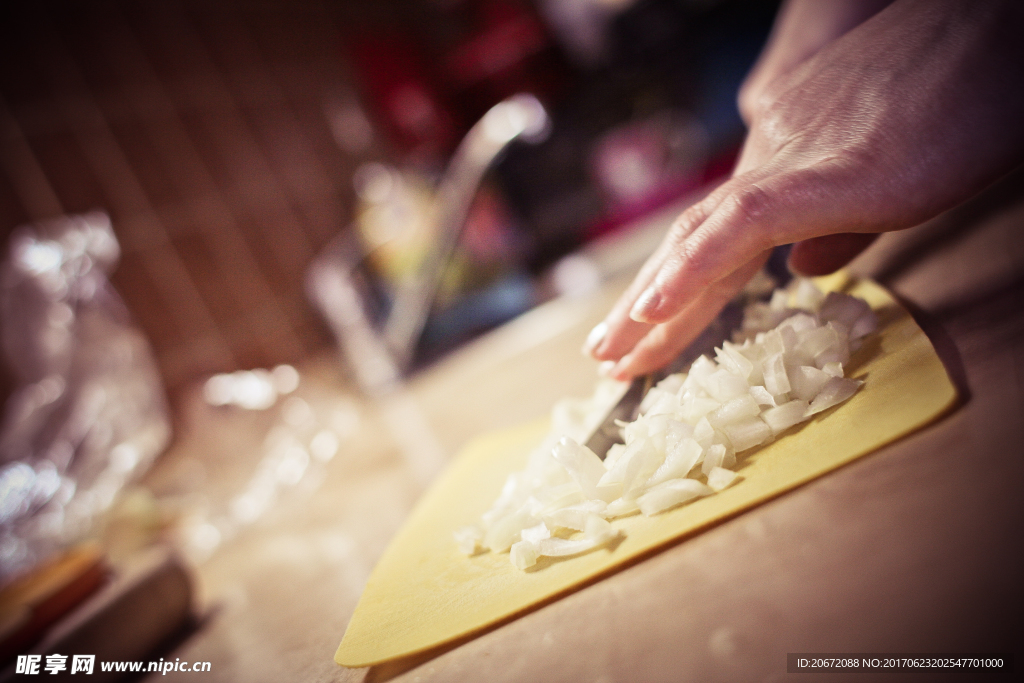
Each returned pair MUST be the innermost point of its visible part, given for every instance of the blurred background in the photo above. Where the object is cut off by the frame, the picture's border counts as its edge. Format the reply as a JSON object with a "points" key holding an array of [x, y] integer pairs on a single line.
{"points": [[210, 154], [230, 141]]}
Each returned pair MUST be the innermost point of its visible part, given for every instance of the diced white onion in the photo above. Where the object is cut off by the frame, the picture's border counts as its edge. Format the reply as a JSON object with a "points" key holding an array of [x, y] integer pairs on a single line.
{"points": [[806, 381], [747, 432], [784, 365], [468, 539], [536, 534], [524, 554], [776, 381], [620, 507], [720, 478], [835, 391], [670, 494], [678, 462], [762, 396], [581, 463], [785, 416], [715, 457]]}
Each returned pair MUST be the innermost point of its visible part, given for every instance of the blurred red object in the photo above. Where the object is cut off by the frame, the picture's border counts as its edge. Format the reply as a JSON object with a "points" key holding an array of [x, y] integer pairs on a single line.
{"points": [[425, 91], [395, 81]]}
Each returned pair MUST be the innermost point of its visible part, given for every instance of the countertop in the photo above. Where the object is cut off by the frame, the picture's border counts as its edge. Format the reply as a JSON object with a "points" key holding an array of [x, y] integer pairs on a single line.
{"points": [[915, 548]]}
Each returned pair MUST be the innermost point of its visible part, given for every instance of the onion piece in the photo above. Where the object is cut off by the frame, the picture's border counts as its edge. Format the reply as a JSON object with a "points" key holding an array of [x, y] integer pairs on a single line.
{"points": [[806, 381], [720, 478], [678, 462], [785, 416], [524, 554], [583, 465], [506, 530], [722, 385], [864, 325], [833, 369], [704, 433], [670, 494], [776, 381], [843, 308], [536, 534], [715, 457], [762, 396], [620, 507], [835, 391], [576, 516], [468, 539], [747, 432], [734, 361], [735, 410], [698, 407], [599, 530]]}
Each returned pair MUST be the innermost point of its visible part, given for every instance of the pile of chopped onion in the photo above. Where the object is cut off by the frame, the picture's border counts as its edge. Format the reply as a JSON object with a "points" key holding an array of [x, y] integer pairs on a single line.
{"points": [[784, 365]]}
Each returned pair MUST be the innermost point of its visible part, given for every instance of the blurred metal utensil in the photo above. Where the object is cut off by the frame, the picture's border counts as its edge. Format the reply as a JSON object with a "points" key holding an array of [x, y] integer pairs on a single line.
{"points": [[521, 116], [338, 283], [338, 286]]}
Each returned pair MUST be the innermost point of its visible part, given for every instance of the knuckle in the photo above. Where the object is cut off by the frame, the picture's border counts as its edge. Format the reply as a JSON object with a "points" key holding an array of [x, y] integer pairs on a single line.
{"points": [[696, 255], [687, 222], [752, 204], [773, 119]]}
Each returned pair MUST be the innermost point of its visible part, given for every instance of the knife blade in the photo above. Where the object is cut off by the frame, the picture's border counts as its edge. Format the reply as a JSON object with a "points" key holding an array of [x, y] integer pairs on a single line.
{"points": [[626, 409]]}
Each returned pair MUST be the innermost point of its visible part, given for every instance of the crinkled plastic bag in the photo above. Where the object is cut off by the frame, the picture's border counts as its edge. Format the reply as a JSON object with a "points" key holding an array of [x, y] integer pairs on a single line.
{"points": [[89, 412]]}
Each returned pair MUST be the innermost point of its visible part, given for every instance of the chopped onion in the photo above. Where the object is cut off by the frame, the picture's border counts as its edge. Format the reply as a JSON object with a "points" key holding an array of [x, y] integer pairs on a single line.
{"points": [[806, 382], [715, 457], [781, 418], [776, 381], [747, 432], [468, 539], [524, 554], [835, 391], [671, 493], [583, 465], [536, 534], [575, 517], [784, 365], [720, 478], [678, 462]]}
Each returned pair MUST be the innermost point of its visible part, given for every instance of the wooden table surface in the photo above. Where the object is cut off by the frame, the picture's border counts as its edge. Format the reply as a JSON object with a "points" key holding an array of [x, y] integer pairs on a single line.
{"points": [[915, 548]]}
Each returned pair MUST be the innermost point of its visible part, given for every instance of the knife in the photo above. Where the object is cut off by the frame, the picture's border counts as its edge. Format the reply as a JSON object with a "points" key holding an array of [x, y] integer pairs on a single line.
{"points": [[608, 433], [626, 409]]}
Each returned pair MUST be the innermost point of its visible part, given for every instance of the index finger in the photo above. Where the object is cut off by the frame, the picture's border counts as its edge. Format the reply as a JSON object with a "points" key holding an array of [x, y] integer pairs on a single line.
{"points": [[754, 217]]}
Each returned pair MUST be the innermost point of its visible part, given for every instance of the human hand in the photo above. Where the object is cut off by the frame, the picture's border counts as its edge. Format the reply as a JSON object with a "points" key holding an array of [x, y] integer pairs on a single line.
{"points": [[904, 116], [801, 29]]}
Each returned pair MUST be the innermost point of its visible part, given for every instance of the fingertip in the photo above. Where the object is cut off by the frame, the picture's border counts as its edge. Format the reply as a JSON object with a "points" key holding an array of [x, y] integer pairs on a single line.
{"points": [[619, 372], [646, 305], [594, 338]]}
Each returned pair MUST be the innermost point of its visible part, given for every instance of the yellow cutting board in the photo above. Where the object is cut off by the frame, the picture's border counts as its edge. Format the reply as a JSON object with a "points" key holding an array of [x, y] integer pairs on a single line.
{"points": [[424, 593]]}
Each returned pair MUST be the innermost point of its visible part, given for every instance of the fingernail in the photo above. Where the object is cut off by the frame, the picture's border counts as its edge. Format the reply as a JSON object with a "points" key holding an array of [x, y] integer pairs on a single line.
{"points": [[605, 368], [595, 337], [645, 305]]}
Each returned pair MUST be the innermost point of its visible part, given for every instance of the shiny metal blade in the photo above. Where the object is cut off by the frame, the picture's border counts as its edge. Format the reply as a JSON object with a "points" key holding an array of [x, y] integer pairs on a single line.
{"points": [[607, 433]]}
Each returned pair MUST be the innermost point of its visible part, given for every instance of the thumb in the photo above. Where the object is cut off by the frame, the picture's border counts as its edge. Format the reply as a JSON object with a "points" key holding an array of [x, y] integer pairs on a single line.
{"points": [[828, 253]]}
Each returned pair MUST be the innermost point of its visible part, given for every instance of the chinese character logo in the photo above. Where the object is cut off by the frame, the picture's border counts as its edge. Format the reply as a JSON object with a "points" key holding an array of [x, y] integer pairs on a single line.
{"points": [[82, 663], [28, 664]]}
